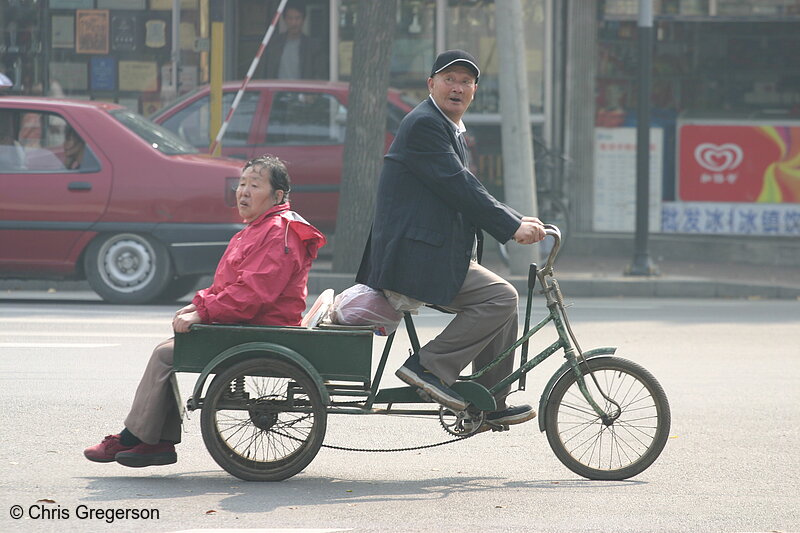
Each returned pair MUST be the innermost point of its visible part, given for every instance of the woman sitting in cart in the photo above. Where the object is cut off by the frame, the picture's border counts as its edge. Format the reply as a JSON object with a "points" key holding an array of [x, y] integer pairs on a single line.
{"points": [[261, 279]]}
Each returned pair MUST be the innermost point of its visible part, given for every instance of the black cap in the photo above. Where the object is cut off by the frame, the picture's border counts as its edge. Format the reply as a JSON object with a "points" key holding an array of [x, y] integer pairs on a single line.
{"points": [[455, 57]]}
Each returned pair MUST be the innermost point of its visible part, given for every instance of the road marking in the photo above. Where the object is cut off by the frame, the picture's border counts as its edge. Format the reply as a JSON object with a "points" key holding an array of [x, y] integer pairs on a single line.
{"points": [[54, 345], [83, 334], [83, 320], [281, 530]]}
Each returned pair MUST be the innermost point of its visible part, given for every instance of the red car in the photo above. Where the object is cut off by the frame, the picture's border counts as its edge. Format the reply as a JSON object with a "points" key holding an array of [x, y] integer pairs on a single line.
{"points": [[91, 190], [301, 121]]}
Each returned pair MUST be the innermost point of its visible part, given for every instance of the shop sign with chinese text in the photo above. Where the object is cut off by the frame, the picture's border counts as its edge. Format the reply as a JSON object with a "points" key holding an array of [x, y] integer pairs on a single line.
{"points": [[736, 178]]}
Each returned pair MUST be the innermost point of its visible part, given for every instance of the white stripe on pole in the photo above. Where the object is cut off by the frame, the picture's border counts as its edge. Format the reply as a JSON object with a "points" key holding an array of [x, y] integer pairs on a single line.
{"points": [[250, 72]]}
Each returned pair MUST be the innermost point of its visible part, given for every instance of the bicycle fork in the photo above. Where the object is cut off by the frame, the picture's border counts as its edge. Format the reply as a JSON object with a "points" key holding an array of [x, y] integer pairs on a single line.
{"points": [[555, 303]]}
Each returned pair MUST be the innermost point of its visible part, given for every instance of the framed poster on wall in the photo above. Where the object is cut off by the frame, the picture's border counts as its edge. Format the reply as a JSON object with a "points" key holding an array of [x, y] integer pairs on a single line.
{"points": [[120, 4], [103, 74], [91, 31], [71, 4], [125, 32], [615, 179], [139, 76], [62, 31]]}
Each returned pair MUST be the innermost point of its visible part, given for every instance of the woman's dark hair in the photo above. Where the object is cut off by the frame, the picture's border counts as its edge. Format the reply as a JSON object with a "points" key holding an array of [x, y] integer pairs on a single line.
{"points": [[278, 175]]}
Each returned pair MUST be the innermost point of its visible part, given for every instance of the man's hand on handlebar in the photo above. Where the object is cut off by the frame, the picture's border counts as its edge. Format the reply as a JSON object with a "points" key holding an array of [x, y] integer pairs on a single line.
{"points": [[530, 231]]}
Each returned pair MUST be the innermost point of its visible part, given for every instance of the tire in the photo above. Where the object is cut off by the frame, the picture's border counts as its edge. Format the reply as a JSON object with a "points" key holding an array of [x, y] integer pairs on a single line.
{"points": [[625, 447], [127, 268], [179, 287], [263, 419]]}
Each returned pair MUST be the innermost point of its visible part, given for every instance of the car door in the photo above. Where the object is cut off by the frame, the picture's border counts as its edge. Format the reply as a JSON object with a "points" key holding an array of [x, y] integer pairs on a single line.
{"points": [[191, 122], [52, 195], [306, 129]]}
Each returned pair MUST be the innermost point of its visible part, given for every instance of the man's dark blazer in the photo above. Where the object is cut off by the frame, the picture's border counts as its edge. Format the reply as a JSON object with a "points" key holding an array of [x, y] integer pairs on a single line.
{"points": [[313, 62], [428, 211]]}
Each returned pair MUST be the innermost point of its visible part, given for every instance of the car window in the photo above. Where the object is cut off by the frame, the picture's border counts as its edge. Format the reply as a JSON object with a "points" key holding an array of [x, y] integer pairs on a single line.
{"points": [[191, 123], [298, 118], [156, 136], [35, 141]]}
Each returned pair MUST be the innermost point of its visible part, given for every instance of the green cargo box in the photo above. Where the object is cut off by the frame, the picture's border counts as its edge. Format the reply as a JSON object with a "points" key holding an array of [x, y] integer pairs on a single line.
{"points": [[337, 354]]}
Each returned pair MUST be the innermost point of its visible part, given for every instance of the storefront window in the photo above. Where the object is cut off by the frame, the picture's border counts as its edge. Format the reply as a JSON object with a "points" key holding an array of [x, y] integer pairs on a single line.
{"points": [[471, 26], [413, 50], [21, 45], [626, 9], [308, 17], [725, 117], [114, 50]]}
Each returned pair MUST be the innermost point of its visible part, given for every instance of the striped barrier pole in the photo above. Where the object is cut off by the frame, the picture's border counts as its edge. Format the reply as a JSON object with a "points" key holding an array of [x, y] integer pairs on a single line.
{"points": [[267, 36]]}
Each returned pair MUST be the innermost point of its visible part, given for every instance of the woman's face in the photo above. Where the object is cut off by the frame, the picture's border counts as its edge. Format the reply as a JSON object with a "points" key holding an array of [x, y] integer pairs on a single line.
{"points": [[254, 195]]}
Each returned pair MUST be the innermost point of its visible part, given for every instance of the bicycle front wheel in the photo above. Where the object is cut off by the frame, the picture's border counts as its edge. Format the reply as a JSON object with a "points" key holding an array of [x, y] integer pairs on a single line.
{"points": [[611, 449]]}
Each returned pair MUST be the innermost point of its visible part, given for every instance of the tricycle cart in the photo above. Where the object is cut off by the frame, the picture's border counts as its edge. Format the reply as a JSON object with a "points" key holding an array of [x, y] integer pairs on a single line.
{"points": [[264, 413]]}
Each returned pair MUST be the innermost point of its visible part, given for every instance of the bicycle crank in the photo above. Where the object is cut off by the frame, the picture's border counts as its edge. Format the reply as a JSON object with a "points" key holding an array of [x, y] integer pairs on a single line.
{"points": [[461, 423]]}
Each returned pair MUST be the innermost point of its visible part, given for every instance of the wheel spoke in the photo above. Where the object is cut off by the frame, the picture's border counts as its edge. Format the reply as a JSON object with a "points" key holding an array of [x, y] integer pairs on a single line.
{"points": [[594, 446]]}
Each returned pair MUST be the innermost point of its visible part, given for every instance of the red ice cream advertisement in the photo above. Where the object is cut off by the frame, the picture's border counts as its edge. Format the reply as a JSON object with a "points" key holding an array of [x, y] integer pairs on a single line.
{"points": [[739, 163]]}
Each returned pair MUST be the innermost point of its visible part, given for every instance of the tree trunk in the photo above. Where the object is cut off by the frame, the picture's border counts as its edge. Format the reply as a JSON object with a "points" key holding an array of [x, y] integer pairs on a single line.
{"points": [[366, 130]]}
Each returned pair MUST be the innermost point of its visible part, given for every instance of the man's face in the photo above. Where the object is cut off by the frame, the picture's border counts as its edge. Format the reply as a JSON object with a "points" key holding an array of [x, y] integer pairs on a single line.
{"points": [[294, 22], [453, 90]]}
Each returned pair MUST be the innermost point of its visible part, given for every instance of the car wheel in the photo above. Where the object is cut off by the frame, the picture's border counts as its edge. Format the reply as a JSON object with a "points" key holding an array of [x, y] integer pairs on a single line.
{"points": [[127, 268]]}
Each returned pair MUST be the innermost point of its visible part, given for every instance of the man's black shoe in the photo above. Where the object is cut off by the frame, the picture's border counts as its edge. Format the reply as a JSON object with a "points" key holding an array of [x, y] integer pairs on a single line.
{"points": [[413, 373], [500, 420], [511, 415]]}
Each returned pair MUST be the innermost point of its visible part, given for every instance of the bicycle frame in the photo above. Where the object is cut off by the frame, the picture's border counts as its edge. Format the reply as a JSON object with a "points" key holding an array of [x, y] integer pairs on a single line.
{"points": [[556, 315]]}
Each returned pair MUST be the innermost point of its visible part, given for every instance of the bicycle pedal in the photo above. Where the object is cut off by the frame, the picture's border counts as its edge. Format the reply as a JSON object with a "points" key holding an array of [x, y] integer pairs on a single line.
{"points": [[498, 427]]}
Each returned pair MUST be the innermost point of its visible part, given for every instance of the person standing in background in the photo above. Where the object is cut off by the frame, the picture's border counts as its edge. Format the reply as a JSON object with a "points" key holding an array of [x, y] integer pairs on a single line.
{"points": [[292, 54]]}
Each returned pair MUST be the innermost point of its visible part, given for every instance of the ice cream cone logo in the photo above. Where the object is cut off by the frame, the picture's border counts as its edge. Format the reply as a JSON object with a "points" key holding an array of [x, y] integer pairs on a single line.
{"points": [[718, 158]]}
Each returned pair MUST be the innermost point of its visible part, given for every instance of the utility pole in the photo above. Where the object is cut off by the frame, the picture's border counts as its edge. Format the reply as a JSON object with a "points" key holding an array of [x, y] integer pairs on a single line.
{"points": [[216, 75], [519, 180], [641, 265]]}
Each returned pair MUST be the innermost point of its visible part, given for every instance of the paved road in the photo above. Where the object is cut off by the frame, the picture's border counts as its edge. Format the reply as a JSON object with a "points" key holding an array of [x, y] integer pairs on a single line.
{"points": [[68, 369]]}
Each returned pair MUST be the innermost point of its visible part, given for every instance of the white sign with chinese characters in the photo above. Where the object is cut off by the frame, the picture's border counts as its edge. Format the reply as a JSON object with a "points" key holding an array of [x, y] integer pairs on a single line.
{"points": [[615, 179], [731, 218]]}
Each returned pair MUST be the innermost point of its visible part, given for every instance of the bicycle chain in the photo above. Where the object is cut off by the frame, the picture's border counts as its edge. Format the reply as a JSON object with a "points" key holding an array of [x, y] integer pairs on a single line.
{"points": [[380, 450], [391, 450]]}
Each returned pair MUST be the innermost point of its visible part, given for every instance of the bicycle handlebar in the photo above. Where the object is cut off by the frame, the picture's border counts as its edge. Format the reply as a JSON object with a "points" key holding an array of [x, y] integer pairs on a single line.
{"points": [[554, 232]]}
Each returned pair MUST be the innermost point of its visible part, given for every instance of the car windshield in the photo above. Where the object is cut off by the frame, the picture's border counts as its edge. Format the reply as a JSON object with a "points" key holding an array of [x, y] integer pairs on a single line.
{"points": [[159, 138]]}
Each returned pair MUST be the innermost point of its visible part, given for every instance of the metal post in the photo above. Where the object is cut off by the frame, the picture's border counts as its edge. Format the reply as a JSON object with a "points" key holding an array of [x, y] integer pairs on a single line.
{"points": [[176, 46], [333, 41], [216, 74], [642, 266]]}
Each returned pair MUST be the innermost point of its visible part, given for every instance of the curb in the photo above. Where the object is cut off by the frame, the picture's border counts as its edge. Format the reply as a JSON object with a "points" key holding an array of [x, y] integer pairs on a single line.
{"points": [[572, 285]]}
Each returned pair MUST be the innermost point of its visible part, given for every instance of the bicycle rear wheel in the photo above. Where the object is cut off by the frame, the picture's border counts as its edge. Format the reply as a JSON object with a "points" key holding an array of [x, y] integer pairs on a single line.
{"points": [[612, 449]]}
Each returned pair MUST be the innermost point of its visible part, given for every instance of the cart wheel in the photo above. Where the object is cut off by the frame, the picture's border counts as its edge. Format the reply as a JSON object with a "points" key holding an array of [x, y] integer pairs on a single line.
{"points": [[612, 449], [263, 419]]}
